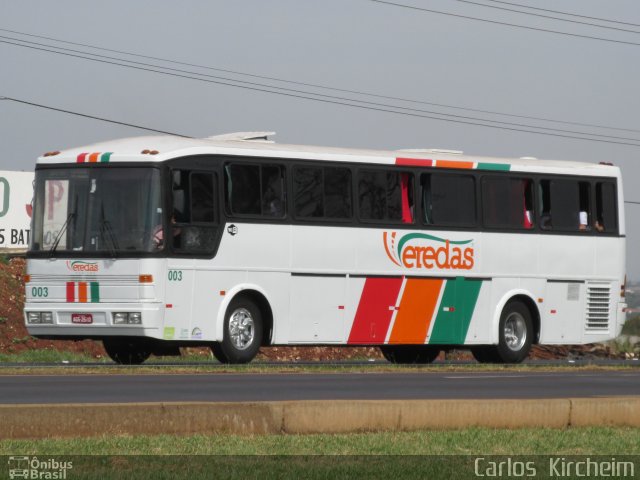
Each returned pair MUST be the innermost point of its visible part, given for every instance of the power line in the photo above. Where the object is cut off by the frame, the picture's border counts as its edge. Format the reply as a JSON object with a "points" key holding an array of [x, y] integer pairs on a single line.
{"points": [[631, 202], [566, 13], [333, 97], [344, 101], [313, 85], [507, 24], [513, 10], [84, 115]]}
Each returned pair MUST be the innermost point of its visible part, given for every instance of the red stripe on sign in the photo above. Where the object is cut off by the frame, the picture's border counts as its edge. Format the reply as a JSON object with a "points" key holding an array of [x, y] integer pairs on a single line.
{"points": [[71, 292], [373, 315], [414, 162], [82, 157]]}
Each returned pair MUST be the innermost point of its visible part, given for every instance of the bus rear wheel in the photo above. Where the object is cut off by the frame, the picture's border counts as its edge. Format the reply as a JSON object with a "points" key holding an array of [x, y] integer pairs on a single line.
{"points": [[242, 333], [516, 333], [409, 354], [130, 351]]}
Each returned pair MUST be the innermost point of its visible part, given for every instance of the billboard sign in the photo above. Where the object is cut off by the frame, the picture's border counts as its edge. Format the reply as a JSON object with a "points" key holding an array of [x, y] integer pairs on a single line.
{"points": [[16, 193]]}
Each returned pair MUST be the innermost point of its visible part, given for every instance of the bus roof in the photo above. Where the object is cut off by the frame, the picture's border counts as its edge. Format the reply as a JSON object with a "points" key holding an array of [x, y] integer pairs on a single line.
{"points": [[162, 148]]}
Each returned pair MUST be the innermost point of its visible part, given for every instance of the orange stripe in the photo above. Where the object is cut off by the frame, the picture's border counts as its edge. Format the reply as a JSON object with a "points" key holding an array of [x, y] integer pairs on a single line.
{"points": [[418, 303], [453, 164], [93, 158], [82, 292]]}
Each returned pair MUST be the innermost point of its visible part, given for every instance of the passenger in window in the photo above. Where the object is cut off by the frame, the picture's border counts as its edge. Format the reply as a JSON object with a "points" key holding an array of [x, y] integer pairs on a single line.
{"points": [[583, 219], [272, 204], [599, 226], [158, 234]]}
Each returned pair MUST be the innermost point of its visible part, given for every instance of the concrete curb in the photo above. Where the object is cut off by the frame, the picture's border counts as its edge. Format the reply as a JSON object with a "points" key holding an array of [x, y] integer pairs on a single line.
{"points": [[306, 417]]}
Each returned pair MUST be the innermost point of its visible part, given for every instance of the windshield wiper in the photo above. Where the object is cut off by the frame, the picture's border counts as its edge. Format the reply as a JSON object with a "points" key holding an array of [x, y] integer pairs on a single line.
{"points": [[105, 227], [60, 233]]}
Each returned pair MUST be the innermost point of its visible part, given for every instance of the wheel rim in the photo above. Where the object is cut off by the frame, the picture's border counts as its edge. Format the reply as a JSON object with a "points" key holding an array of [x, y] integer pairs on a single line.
{"points": [[241, 328], [515, 331]]}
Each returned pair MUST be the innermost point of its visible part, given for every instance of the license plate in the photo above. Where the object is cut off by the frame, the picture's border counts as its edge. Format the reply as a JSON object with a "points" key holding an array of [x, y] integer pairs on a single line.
{"points": [[81, 318]]}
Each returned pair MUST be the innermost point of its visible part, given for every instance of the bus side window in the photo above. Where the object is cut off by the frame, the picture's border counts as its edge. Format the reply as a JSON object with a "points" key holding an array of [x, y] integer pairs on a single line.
{"points": [[337, 192], [322, 192], [606, 212], [385, 195], [507, 202], [273, 191], [584, 199], [565, 204], [243, 189], [308, 185], [255, 190], [193, 218], [544, 204], [448, 199]]}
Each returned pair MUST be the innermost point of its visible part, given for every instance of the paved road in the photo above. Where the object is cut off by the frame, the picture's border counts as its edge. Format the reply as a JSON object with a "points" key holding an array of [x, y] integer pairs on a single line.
{"points": [[25, 389]]}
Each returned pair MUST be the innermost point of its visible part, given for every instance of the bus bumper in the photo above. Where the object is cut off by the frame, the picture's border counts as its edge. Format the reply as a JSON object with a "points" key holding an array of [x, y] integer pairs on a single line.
{"points": [[76, 321]]}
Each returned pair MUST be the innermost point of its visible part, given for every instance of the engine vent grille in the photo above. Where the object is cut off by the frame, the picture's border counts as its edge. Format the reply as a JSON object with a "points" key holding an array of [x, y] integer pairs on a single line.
{"points": [[598, 303]]}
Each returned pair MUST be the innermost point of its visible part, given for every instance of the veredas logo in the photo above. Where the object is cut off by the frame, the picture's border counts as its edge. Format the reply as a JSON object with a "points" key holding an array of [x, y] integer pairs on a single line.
{"points": [[79, 266], [419, 250]]}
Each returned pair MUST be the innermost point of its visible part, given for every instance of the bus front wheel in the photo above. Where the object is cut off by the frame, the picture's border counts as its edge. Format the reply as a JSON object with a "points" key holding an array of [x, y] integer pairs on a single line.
{"points": [[130, 351], [409, 354], [242, 333]]}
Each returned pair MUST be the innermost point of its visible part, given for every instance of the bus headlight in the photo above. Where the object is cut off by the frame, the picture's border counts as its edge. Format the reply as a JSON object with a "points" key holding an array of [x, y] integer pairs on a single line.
{"points": [[127, 318], [38, 318]]}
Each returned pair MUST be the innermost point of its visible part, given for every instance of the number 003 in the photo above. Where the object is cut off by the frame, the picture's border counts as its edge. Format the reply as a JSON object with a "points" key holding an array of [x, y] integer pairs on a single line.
{"points": [[39, 292], [175, 275]]}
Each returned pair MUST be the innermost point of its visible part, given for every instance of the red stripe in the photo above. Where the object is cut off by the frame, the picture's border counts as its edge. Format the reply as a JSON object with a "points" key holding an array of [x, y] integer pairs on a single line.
{"points": [[373, 315], [414, 162], [82, 157], [70, 292]]}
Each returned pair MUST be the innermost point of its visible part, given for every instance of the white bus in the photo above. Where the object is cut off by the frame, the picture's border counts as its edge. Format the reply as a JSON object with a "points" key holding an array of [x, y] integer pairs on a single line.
{"points": [[154, 243]]}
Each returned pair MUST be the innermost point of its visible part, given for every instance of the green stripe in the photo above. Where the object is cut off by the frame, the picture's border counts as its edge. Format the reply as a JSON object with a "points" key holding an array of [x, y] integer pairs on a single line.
{"points": [[494, 166], [451, 327], [95, 292], [424, 236], [105, 157]]}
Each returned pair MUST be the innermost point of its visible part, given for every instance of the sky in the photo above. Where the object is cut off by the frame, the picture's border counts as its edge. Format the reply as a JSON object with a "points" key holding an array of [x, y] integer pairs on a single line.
{"points": [[357, 45]]}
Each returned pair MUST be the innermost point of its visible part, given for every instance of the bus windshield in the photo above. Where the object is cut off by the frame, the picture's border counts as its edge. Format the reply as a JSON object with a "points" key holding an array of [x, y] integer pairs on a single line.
{"points": [[99, 210]]}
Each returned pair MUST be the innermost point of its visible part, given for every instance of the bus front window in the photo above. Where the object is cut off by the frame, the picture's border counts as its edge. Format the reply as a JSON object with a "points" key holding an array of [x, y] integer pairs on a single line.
{"points": [[106, 210]]}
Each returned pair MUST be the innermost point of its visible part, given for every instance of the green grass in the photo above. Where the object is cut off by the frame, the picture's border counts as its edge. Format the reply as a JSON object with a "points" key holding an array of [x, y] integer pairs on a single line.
{"points": [[45, 355], [472, 441], [371, 455]]}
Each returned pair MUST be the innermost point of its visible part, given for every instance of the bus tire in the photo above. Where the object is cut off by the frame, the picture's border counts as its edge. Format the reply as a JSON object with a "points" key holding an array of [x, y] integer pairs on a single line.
{"points": [[409, 354], [218, 354], [130, 351], [242, 332], [515, 333]]}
